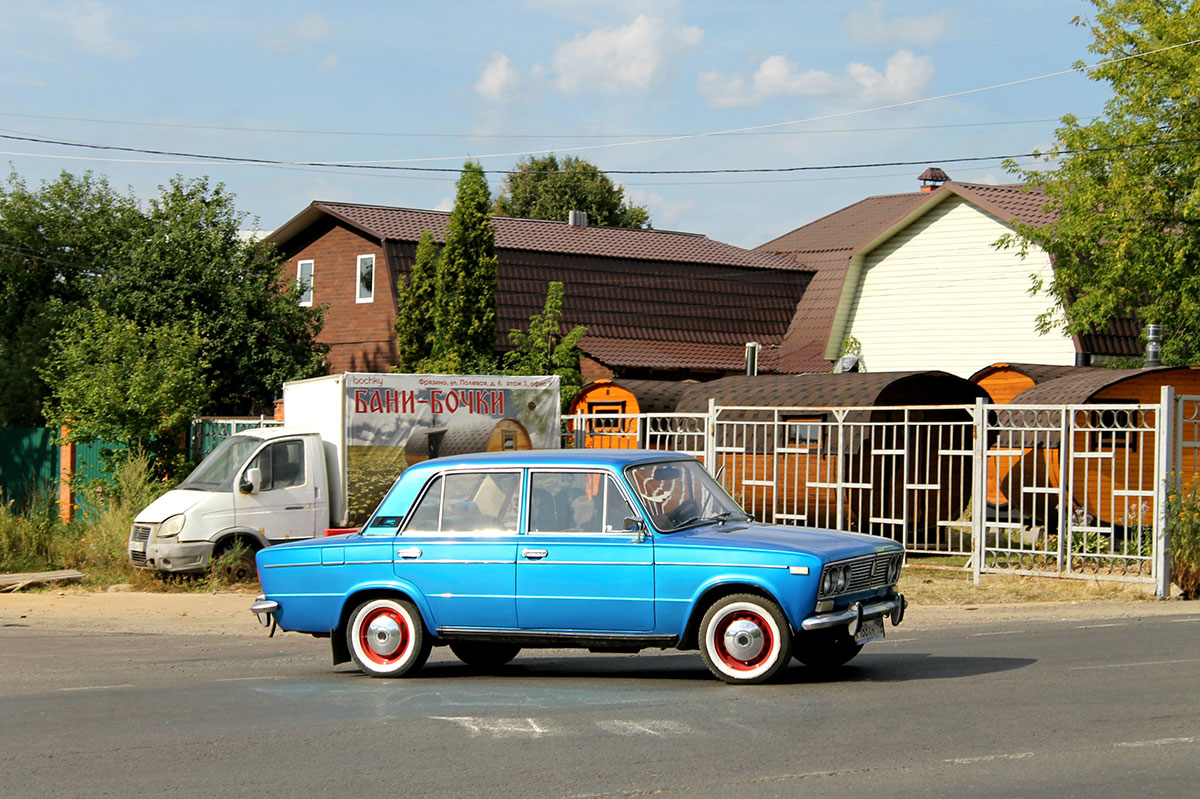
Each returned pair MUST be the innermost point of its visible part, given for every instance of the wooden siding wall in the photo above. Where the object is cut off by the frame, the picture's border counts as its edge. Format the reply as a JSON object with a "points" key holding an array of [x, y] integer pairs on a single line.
{"points": [[938, 295]]}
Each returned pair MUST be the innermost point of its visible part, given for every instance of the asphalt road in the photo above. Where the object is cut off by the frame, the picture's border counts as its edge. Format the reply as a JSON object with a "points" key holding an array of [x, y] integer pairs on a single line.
{"points": [[1103, 708]]}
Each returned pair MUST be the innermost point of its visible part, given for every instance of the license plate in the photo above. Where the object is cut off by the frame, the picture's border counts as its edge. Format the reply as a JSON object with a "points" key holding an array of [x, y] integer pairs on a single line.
{"points": [[871, 629], [137, 546]]}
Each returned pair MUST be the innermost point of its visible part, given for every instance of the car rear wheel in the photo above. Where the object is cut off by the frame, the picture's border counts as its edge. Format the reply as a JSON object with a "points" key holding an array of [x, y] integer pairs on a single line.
{"points": [[484, 655], [745, 639], [826, 650], [386, 637]]}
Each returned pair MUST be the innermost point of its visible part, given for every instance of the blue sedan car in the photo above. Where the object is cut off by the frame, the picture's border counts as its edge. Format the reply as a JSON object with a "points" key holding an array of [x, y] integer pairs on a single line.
{"points": [[610, 550]]}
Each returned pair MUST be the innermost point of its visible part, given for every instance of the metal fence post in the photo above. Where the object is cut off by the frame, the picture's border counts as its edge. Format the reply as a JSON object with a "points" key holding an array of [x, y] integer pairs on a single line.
{"points": [[710, 441], [978, 490], [1165, 467]]}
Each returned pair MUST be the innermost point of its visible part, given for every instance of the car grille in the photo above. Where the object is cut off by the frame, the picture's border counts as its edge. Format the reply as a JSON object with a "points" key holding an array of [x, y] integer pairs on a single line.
{"points": [[869, 571], [139, 533]]}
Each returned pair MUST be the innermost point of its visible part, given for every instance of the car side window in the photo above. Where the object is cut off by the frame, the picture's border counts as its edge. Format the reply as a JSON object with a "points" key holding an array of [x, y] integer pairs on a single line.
{"points": [[575, 502], [472, 502], [281, 465]]}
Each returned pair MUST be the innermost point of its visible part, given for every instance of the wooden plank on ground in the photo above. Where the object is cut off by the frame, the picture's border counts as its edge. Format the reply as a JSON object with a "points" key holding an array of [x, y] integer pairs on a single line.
{"points": [[15, 582]]}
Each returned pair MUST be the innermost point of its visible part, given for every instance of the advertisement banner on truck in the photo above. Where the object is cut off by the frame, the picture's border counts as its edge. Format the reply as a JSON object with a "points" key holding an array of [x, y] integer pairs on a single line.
{"points": [[396, 420]]}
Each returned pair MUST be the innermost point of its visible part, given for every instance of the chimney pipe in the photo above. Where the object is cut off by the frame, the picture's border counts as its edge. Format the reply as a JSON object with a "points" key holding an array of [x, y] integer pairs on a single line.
{"points": [[577, 218], [1154, 334], [752, 348]]}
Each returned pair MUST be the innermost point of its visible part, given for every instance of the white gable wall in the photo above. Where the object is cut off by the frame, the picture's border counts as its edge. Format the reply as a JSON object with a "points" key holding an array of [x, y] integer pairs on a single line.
{"points": [[938, 295]]}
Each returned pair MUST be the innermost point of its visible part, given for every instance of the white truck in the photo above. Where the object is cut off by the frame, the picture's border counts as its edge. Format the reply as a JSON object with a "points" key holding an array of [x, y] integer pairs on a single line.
{"points": [[345, 440]]}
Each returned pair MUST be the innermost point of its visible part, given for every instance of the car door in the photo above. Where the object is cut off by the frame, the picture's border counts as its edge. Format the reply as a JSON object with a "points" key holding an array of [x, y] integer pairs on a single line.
{"points": [[577, 566], [458, 547], [283, 508]]}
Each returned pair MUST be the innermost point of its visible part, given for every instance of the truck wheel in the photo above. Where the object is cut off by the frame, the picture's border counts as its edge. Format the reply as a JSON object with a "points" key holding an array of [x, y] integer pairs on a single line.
{"points": [[482, 655], [386, 637], [234, 562], [745, 639], [826, 650]]}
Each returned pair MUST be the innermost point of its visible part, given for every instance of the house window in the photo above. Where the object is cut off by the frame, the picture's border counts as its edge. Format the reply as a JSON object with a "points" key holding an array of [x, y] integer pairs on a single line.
{"points": [[304, 276], [366, 278]]}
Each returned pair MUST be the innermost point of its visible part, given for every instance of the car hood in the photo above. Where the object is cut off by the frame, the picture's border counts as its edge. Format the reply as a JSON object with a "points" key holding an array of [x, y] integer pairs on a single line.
{"points": [[823, 543], [169, 504]]}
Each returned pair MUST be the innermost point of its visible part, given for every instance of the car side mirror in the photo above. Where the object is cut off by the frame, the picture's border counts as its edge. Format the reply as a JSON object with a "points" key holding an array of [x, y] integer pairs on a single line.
{"points": [[635, 526], [251, 481]]}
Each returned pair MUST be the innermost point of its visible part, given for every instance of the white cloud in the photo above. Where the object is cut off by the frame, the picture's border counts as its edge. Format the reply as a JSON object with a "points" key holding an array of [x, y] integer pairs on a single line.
{"points": [[89, 24], [869, 27], [904, 77], [310, 28], [635, 58], [328, 63], [499, 80]]}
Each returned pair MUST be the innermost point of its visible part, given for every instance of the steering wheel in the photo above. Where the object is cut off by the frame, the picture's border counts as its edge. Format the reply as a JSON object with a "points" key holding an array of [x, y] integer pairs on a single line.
{"points": [[685, 512]]}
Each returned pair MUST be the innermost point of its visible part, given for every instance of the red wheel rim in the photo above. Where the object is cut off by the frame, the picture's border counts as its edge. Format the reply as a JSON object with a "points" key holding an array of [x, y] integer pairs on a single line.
{"points": [[723, 652], [366, 645]]}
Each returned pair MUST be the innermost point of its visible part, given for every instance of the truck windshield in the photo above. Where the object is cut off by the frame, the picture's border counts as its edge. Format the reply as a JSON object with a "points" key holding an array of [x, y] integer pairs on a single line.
{"points": [[215, 473]]}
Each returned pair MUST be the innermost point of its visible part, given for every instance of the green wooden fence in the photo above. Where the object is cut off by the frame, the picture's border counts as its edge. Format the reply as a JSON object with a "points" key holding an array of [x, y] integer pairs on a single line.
{"points": [[29, 463]]}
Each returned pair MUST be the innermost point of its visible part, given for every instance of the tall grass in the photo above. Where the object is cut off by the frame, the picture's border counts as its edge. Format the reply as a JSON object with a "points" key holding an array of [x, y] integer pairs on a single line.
{"points": [[1183, 531], [33, 539]]}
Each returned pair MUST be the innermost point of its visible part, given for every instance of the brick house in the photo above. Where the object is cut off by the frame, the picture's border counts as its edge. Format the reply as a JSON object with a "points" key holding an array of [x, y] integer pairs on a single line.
{"points": [[657, 304]]}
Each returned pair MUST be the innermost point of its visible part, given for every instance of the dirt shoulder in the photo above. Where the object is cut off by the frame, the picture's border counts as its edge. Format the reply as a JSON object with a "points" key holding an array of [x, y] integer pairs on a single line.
{"points": [[229, 613]]}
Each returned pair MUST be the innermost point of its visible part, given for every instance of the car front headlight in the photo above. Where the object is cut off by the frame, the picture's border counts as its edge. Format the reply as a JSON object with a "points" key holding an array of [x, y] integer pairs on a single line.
{"points": [[172, 526]]}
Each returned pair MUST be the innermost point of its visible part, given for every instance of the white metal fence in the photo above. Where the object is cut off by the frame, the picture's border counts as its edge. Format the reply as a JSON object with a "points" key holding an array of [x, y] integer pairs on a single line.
{"points": [[1067, 491]]}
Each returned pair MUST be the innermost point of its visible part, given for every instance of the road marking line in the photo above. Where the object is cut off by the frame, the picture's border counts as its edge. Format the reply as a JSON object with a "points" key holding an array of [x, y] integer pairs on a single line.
{"points": [[966, 761], [498, 727], [98, 687], [1184, 621], [655, 728], [1094, 626], [1002, 632], [1159, 742], [1130, 665], [247, 679]]}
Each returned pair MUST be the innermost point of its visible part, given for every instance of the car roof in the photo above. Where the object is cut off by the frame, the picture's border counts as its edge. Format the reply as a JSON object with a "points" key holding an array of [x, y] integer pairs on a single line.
{"points": [[612, 458]]}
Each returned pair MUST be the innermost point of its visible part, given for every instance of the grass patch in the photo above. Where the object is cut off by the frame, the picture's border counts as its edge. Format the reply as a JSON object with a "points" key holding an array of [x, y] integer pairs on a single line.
{"points": [[941, 585]]}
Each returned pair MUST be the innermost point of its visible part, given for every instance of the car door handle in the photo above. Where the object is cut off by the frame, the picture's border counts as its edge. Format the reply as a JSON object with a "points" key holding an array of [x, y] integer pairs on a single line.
{"points": [[534, 554], [410, 553], [294, 507]]}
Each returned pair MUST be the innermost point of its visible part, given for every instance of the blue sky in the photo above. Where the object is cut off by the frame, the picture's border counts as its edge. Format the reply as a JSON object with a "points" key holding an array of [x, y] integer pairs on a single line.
{"points": [[429, 84]]}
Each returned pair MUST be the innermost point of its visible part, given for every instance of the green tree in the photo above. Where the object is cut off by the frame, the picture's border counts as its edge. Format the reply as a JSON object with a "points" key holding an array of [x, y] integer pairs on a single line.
{"points": [[53, 240], [543, 350], [114, 380], [1125, 187], [415, 304], [543, 187], [465, 294], [184, 261]]}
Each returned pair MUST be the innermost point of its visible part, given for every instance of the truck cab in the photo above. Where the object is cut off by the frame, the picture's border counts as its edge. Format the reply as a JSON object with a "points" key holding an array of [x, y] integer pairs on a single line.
{"points": [[258, 488]]}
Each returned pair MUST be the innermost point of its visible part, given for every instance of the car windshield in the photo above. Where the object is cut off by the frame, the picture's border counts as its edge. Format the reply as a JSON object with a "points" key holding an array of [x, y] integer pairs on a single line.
{"points": [[222, 463], [680, 494]]}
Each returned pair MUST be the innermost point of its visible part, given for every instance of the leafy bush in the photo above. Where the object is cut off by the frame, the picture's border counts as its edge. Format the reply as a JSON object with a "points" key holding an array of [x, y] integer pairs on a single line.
{"points": [[1183, 531]]}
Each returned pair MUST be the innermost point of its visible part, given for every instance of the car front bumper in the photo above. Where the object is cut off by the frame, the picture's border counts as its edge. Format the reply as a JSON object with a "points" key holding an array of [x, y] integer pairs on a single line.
{"points": [[176, 557], [858, 612]]}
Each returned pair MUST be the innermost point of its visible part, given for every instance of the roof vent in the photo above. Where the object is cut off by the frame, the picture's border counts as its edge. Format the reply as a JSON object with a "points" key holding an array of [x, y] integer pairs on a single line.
{"points": [[1154, 336], [752, 348], [577, 218], [932, 178]]}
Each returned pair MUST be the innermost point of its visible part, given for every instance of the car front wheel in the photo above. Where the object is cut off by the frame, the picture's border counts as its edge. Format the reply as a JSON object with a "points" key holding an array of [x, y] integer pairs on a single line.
{"points": [[386, 637], [745, 639]]}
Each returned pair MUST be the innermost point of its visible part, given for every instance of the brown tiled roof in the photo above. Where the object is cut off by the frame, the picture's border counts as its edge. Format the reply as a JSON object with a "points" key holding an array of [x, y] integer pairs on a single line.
{"points": [[848, 389], [1037, 372], [673, 355], [1078, 386], [540, 235]]}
